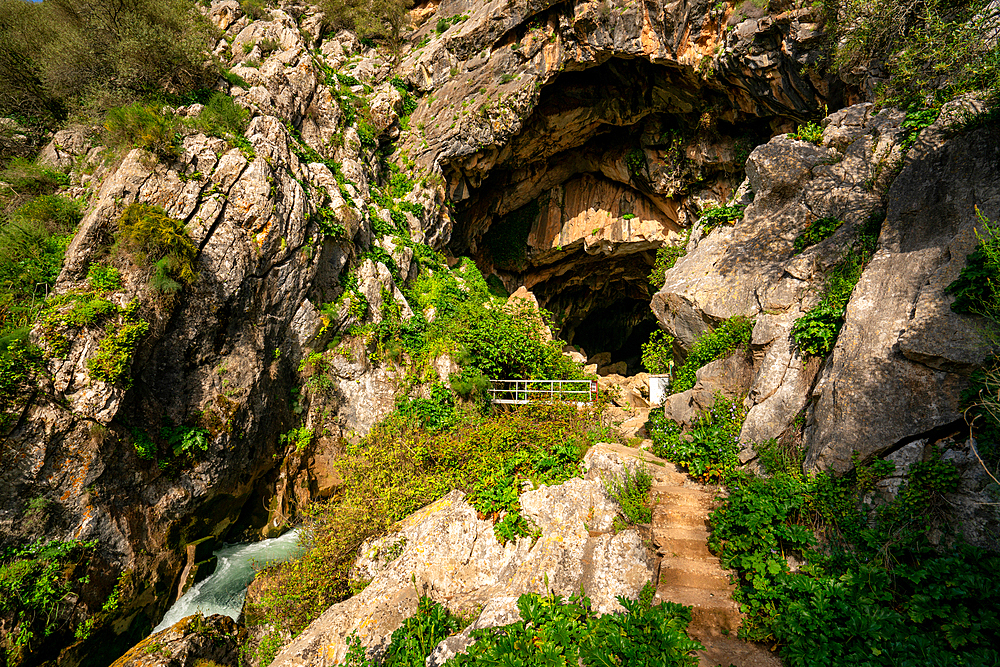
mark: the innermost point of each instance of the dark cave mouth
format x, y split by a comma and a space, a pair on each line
619, 330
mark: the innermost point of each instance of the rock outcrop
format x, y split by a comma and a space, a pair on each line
191, 642
446, 552
903, 357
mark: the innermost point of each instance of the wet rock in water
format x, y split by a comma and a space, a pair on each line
195, 641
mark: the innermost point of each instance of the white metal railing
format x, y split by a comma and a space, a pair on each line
521, 392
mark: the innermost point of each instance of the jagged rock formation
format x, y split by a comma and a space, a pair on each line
570, 119
570, 141
446, 552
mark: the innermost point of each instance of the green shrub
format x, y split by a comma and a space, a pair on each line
666, 256
54, 212
222, 117
185, 442
713, 216
142, 126
635, 160
709, 450
811, 132
553, 631
155, 240
300, 438
818, 230
975, 289
658, 353
816, 331
715, 344
38, 584
930, 49
630, 489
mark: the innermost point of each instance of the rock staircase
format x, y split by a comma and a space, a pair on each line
688, 573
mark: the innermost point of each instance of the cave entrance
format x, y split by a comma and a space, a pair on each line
613, 162
617, 333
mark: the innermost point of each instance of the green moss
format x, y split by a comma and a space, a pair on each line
113, 360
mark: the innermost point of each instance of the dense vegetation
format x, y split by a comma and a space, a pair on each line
552, 632
874, 584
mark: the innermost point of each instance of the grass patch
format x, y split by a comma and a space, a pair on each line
630, 489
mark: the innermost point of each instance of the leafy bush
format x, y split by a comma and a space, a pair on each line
975, 289
630, 489
38, 587
300, 438
413, 641
666, 256
713, 216
155, 240
811, 132
709, 450
58, 58
818, 230
185, 442
929, 48
816, 331
32, 244
553, 631
715, 344
658, 353
142, 126
104, 278
113, 359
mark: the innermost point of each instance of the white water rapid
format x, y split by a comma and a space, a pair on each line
223, 592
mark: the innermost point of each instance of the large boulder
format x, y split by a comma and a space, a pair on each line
445, 551
751, 268
903, 357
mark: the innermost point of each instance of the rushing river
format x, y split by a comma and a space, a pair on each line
223, 592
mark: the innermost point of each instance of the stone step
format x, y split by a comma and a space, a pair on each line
685, 514
712, 614
728, 650
683, 496
680, 531
711, 580
683, 548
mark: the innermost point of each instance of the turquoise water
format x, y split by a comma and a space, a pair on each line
224, 591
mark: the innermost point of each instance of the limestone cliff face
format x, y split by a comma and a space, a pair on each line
222, 353
894, 378
582, 135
